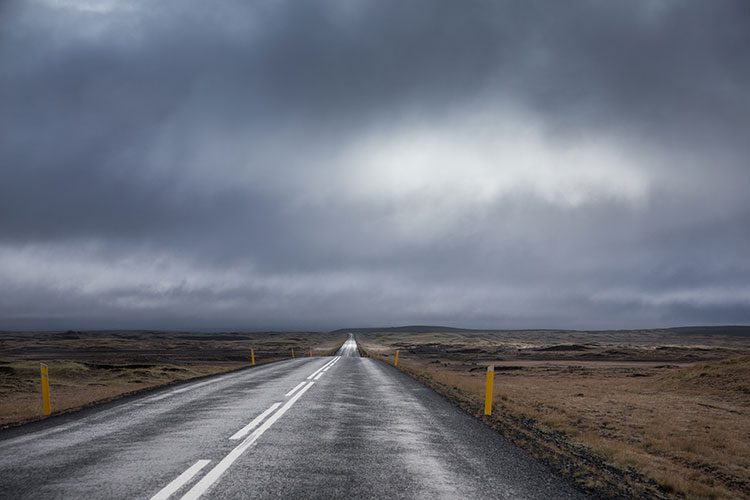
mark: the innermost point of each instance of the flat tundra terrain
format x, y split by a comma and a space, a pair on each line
650, 413
660, 413
311, 427
91, 367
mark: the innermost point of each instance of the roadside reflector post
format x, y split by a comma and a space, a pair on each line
292, 352
377, 354
395, 360
252, 357
488, 392
46, 406
311, 352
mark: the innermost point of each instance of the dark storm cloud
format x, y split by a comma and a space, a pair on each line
282, 164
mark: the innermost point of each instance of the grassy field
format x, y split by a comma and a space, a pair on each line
90, 367
661, 413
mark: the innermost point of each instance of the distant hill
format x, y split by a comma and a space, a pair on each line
410, 329
738, 330
733, 330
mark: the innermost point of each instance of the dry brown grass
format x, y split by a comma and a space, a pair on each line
682, 430
75, 385
90, 367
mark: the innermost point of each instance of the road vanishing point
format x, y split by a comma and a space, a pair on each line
342, 426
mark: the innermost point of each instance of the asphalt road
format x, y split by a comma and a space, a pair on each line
334, 427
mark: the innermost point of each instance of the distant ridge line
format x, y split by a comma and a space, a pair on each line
740, 330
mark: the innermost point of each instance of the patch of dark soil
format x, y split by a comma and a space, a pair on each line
466, 350
616, 352
214, 337
682, 348
564, 348
105, 366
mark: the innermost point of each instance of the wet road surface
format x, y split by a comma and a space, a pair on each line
333, 427
349, 348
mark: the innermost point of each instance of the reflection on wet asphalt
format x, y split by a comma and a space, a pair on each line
331, 427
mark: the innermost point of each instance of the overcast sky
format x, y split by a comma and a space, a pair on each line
313, 165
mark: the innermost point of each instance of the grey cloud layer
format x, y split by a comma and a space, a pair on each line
281, 164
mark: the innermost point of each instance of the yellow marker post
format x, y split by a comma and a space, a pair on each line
292, 352
488, 391
252, 357
395, 360
377, 354
311, 352
46, 406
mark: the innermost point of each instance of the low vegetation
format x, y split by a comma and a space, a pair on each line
660, 414
91, 367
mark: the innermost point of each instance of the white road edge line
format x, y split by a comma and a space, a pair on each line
319, 369
178, 391
255, 423
180, 481
214, 474
295, 389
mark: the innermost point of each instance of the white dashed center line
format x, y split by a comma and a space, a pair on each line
214, 474
322, 367
255, 423
261, 424
294, 390
181, 480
